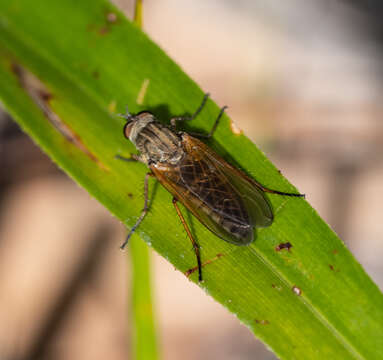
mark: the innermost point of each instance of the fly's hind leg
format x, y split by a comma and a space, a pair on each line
195, 245
271, 191
143, 213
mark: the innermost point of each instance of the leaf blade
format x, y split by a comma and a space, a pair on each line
80, 60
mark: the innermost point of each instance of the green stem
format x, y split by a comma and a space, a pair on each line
144, 343
138, 14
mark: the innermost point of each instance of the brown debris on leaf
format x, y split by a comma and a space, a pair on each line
42, 98
282, 246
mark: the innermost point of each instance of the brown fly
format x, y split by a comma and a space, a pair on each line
221, 197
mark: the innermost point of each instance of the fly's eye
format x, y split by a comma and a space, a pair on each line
128, 128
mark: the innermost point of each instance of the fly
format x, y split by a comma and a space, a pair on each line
228, 202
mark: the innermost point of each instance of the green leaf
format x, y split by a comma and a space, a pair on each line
311, 302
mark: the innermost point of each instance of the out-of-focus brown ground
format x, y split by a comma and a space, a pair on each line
302, 80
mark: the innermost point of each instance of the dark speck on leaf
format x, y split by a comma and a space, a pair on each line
282, 246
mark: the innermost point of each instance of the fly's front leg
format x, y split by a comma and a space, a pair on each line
174, 120
144, 210
195, 245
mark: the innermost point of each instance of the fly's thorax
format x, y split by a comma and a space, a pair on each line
155, 142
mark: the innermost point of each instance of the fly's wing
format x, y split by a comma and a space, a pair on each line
257, 206
220, 196
170, 178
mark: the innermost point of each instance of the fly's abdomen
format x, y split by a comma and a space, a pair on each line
224, 216
214, 191
216, 197
240, 231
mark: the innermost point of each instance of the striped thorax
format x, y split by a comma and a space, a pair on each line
155, 142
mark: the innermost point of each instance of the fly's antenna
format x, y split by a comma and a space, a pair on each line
128, 116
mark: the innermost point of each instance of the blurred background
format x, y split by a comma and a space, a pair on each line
303, 79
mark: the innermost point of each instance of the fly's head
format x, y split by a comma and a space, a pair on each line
136, 123
155, 142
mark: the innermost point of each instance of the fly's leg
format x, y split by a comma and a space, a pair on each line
271, 191
210, 134
143, 213
174, 120
195, 245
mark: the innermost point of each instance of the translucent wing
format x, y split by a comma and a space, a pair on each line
233, 232
220, 196
256, 204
